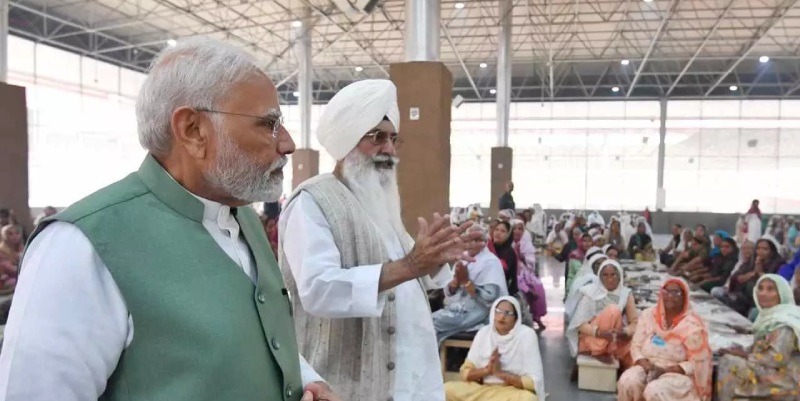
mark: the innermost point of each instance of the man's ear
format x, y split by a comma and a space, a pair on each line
188, 132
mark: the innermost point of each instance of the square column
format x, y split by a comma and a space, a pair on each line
14, 153
424, 171
502, 159
305, 164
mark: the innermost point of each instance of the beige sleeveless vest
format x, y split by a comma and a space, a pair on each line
354, 355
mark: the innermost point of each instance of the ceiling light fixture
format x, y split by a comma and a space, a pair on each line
483, 65
359, 69
615, 89
763, 59
172, 42
625, 62
459, 6
493, 91
648, 1
733, 88
297, 23
296, 94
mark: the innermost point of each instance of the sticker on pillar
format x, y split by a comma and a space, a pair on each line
413, 113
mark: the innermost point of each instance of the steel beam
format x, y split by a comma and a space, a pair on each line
664, 21
777, 16
503, 100
3, 41
662, 150
422, 40
461, 61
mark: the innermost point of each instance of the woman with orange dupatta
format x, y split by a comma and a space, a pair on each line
671, 352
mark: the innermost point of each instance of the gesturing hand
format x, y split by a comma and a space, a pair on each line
439, 243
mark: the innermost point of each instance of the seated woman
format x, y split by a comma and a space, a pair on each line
611, 252
671, 351
720, 267
8, 275
693, 258
614, 235
473, 289
605, 318
586, 276
527, 280
746, 254
504, 363
770, 369
557, 239
577, 257
640, 247
11, 243
502, 245
743, 282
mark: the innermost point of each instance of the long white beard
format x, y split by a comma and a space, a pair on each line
375, 189
243, 178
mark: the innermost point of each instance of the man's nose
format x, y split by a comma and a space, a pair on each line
285, 142
389, 148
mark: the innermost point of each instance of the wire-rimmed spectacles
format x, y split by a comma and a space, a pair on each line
379, 138
272, 120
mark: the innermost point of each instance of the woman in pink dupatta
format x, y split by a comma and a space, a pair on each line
670, 350
529, 285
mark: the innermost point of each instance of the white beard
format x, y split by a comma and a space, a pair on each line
376, 190
241, 177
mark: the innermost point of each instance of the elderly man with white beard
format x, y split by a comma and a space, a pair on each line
357, 278
162, 286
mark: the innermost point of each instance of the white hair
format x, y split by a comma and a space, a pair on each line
375, 189
198, 72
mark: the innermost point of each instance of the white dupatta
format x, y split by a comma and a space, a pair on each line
593, 293
519, 349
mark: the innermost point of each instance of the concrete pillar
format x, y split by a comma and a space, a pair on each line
502, 155
3, 41
502, 163
504, 72
424, 171
305, 161
305, 164
14, 153
422, 37
661, 194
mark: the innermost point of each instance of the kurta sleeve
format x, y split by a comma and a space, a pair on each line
642, 334
775, 349
632, 314
465, 369
528, 384
487, 293
68, 324
326, 289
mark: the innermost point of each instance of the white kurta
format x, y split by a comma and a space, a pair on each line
327, 290
69, 324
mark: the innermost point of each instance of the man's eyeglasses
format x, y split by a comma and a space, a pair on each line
509, 313
273, 120
379, 138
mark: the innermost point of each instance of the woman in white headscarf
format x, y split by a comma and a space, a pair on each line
504, 363
471, 292
605, 318
586, 276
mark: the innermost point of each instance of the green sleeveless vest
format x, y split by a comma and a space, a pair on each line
202, 329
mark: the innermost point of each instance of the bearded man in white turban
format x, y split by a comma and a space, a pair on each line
357, 280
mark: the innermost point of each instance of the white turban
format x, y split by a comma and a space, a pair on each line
355, 110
